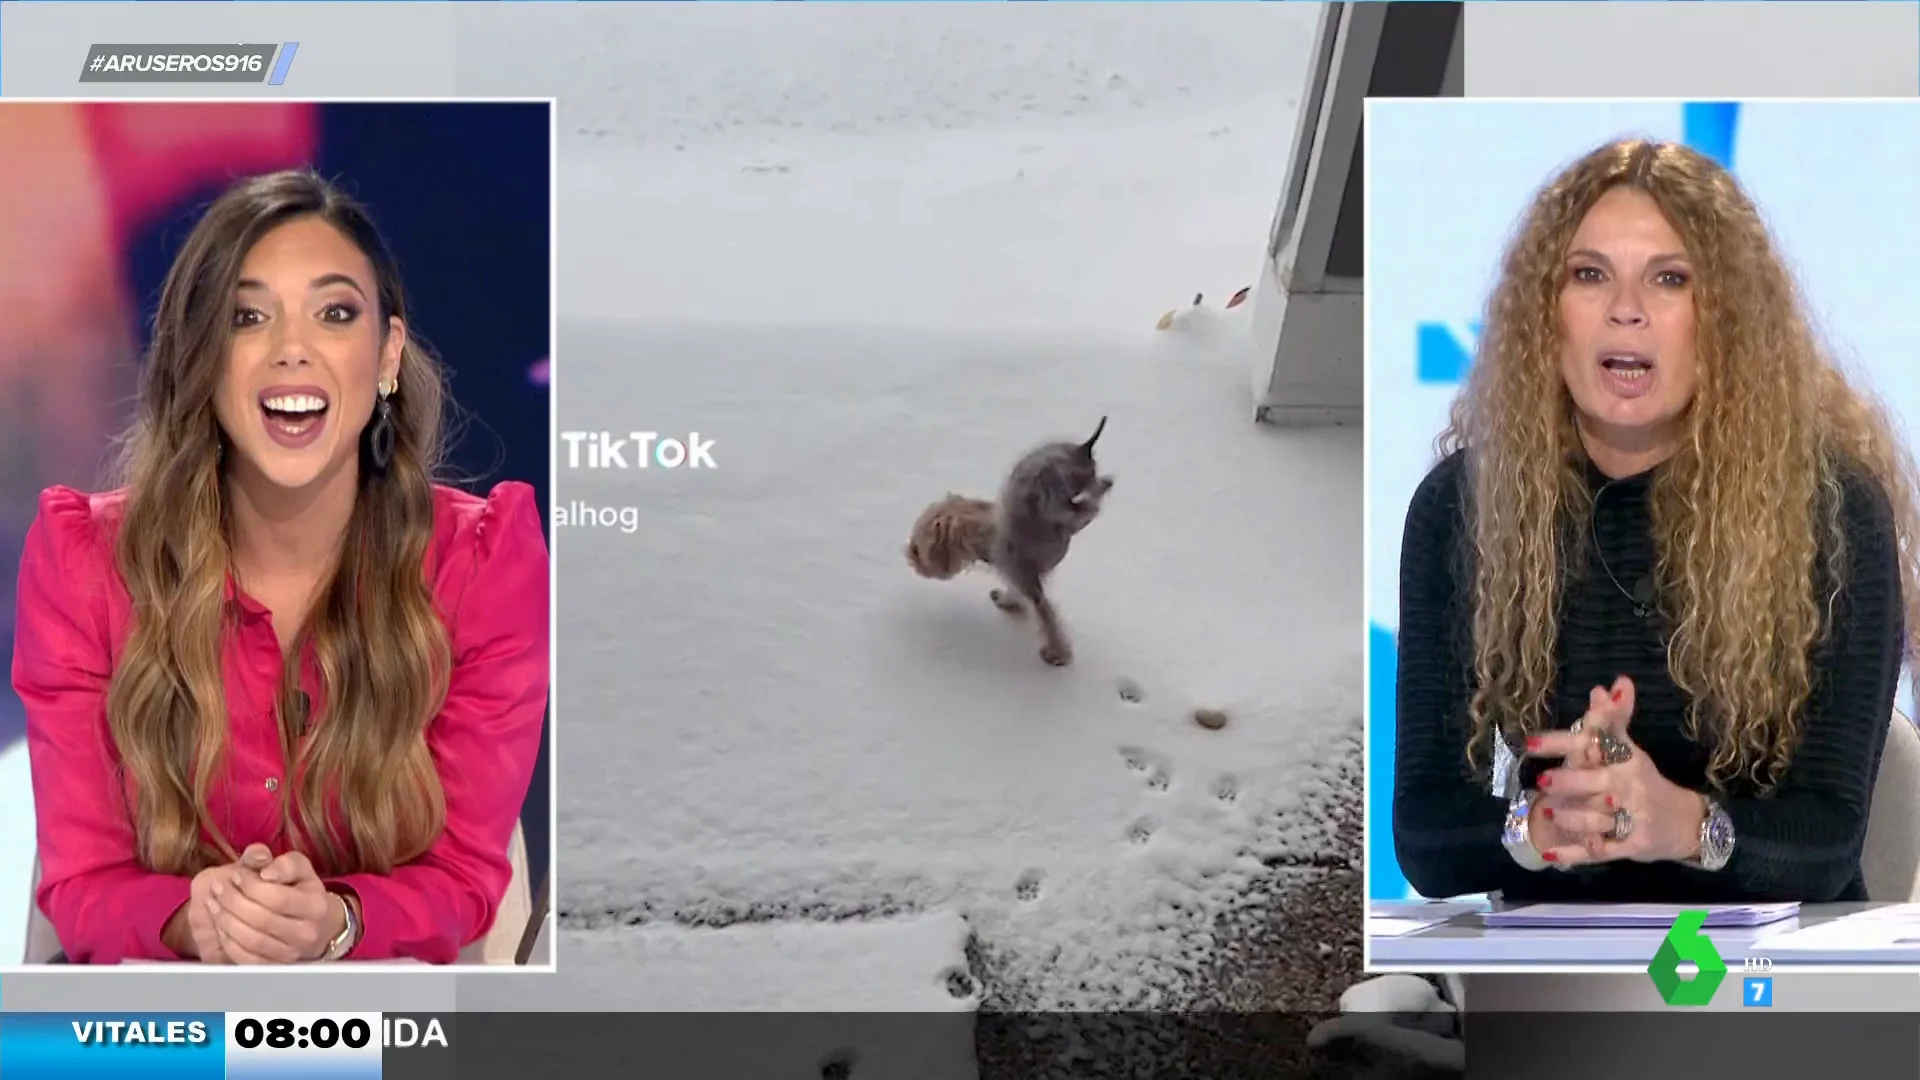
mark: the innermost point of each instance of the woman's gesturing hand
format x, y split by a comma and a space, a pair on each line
1607, 801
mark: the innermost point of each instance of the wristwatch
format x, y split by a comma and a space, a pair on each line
1716, 839
1516, 838
342, 943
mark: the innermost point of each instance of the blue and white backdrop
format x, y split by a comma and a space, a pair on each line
1447, 182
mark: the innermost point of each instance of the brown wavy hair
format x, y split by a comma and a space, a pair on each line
382, 649
1744, 510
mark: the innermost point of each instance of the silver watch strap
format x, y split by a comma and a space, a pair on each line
349, 931
1517, 838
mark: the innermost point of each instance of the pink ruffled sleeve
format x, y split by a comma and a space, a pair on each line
103, 905
484, 741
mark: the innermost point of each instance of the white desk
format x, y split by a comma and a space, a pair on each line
1461, 941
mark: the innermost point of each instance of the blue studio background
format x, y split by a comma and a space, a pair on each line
462, 192
1447, 183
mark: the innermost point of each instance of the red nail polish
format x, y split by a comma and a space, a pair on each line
1547, 810
1546, 781
1533, 743
1550, 856
1616, 697
1609, 802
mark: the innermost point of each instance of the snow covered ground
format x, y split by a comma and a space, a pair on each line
875, 253
885, 960
1007, 164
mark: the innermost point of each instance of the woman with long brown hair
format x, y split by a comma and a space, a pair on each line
1654, 597
284, 692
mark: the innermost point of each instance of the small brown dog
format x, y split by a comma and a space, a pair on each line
1051, 494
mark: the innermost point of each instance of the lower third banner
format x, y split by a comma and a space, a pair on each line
107, 1046
191, 1046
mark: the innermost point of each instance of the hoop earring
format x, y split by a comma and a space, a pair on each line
380, 432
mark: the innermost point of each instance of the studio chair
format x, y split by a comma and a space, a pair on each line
1890, 858
501, 943
536, 945
42, 943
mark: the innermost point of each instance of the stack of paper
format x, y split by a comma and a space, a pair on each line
1391, 926
1894, 928
1398, 918
1636, 916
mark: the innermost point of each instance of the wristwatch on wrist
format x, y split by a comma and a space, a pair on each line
1716, 839
1515, 836
342, 943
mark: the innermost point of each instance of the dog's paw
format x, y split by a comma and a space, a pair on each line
1058, 654
1006, 601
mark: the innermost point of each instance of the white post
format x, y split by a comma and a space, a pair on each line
1307, 326
1307, 323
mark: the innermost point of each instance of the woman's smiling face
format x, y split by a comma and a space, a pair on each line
307, 355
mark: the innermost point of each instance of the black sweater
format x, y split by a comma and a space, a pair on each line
1802, 842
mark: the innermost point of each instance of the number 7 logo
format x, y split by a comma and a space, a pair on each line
1759, 993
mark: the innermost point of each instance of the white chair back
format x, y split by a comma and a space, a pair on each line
42, 943
498, 946
542, 951
501, 943
1890, 858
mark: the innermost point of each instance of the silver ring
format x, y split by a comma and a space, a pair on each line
1577, 725
1622, 825
1612, 751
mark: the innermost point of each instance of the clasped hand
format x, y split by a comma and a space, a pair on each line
262, 910
1574, 819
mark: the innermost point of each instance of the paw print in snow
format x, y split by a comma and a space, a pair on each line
1027, 886
959, 983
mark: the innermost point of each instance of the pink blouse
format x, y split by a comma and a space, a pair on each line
488, 571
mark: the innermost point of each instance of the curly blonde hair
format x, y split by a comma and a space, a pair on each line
1741, 511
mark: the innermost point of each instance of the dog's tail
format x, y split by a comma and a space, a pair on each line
1086, 448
